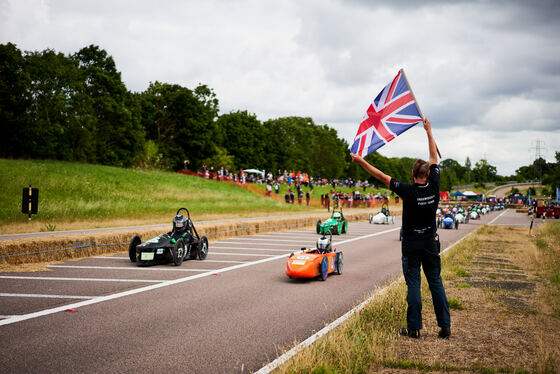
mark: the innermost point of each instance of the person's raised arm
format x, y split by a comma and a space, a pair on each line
431, 142
372, 170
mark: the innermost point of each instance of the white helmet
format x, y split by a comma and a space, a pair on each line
323, 243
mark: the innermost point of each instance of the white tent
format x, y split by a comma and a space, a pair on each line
470, 193
254, 171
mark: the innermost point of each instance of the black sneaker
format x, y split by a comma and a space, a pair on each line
415, 334
445, 332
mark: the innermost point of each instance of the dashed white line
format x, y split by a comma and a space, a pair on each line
242, 254
124, 268
45, 296
267, 240
83, 279
252, 249
277, 244
126, 258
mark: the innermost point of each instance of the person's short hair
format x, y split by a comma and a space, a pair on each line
420, 169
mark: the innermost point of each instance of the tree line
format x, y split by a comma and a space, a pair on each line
76, 107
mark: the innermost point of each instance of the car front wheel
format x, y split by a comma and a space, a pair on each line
132, 247
339, 263
324, 269
203, 248
178, 252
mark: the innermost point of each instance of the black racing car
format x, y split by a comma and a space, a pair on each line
182, 243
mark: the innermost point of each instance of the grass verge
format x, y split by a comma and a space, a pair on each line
505, 321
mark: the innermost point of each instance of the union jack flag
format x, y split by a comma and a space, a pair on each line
392, 112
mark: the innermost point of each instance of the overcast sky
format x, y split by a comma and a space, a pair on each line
486, 73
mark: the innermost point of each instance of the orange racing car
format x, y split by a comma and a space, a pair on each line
315, 262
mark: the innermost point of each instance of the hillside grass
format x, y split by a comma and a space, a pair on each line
71, 192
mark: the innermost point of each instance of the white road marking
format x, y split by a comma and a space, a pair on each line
253, 249
83, 279
169, 268
495, 218
242, 254
206, 260
99, 299
303, 237
45, 296
4, 317
276, 244
266, 240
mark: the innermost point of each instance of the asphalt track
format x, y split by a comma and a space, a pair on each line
233, 312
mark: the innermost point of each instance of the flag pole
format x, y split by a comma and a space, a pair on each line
416, 103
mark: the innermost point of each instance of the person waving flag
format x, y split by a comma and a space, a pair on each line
391, 113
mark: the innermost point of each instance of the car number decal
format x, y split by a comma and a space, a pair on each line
147, 256
298, 262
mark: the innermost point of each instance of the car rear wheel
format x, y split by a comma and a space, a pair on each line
203, 248
339, 263
178, 252
132, 247
370, 218
345, 227
324, 269
318, 226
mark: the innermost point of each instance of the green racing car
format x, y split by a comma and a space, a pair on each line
335, 225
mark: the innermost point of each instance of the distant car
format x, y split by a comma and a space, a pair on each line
335, 225
183, 242
448, 221
384, 217
315, 262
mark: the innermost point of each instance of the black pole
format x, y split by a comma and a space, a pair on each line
29, 206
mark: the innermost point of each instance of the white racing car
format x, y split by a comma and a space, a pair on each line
384, 217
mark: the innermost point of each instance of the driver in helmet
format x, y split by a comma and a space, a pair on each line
179, 224
324, 244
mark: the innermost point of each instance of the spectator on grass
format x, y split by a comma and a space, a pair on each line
420, 243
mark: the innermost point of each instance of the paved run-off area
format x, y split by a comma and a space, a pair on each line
232, 312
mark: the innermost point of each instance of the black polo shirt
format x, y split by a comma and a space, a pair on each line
420, 202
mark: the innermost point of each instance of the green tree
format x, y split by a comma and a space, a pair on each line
60, 118
484, 172
242, 135
14, 103
117, 132
180, 121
